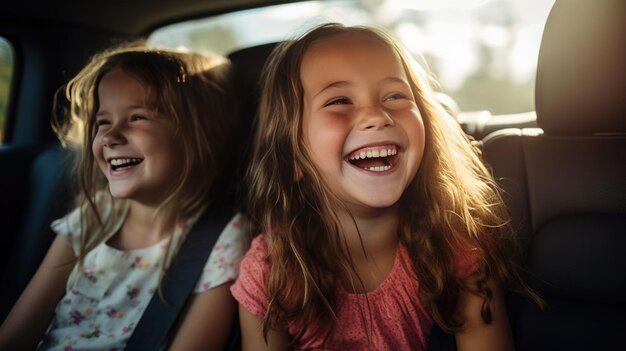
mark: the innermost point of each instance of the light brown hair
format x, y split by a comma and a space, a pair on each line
191, 89
453, 204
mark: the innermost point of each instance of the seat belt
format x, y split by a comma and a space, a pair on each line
153, 330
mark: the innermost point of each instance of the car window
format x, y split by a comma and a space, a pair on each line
6, 71
482, 52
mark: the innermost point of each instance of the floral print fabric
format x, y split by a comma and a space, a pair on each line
102, 308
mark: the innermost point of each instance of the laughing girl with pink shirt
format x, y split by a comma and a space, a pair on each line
378, 218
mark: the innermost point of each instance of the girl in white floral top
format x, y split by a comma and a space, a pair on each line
153, 131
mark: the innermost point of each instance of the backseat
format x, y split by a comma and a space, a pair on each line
566, 182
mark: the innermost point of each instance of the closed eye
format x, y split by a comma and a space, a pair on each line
338, 101
102, 122
137, 118
395, 96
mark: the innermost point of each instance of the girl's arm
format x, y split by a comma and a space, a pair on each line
207, 321
30, 317
476, 335
252, 334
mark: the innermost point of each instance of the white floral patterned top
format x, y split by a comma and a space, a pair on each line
100, 311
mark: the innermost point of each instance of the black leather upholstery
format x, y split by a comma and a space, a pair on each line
566, 182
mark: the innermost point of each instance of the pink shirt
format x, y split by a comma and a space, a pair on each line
392, 315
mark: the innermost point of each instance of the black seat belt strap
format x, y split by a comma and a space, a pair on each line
154, 327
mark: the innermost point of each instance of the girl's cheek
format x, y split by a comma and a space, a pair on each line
96, 147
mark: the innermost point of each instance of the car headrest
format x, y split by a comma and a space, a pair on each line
581, 73
248, 65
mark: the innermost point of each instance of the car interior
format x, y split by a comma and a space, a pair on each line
563, 170
565, 181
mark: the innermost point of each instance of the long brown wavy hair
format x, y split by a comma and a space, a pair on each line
452, 204
191, 89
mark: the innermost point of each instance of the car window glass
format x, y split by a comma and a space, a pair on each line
6, 71
482, 52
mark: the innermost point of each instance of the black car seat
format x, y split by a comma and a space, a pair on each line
47, 197
248, 65
566, 182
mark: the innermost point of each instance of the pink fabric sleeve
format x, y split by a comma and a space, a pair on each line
250, 288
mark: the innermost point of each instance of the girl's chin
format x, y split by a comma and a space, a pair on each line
374, 206
121, 197
120, 193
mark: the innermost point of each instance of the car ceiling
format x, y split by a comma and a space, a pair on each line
126, 17
54, 38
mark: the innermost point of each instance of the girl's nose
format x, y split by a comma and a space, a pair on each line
113, 136
374, 118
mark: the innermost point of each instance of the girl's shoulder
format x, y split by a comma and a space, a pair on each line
82, 220
258, 246
233, 231
255, 263
250, 288
256, 258
223, 263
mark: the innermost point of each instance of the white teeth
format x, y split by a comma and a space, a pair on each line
123, 161
378, 168
373, 154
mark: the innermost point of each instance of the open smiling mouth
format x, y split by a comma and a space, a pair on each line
374, 158
118, 164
